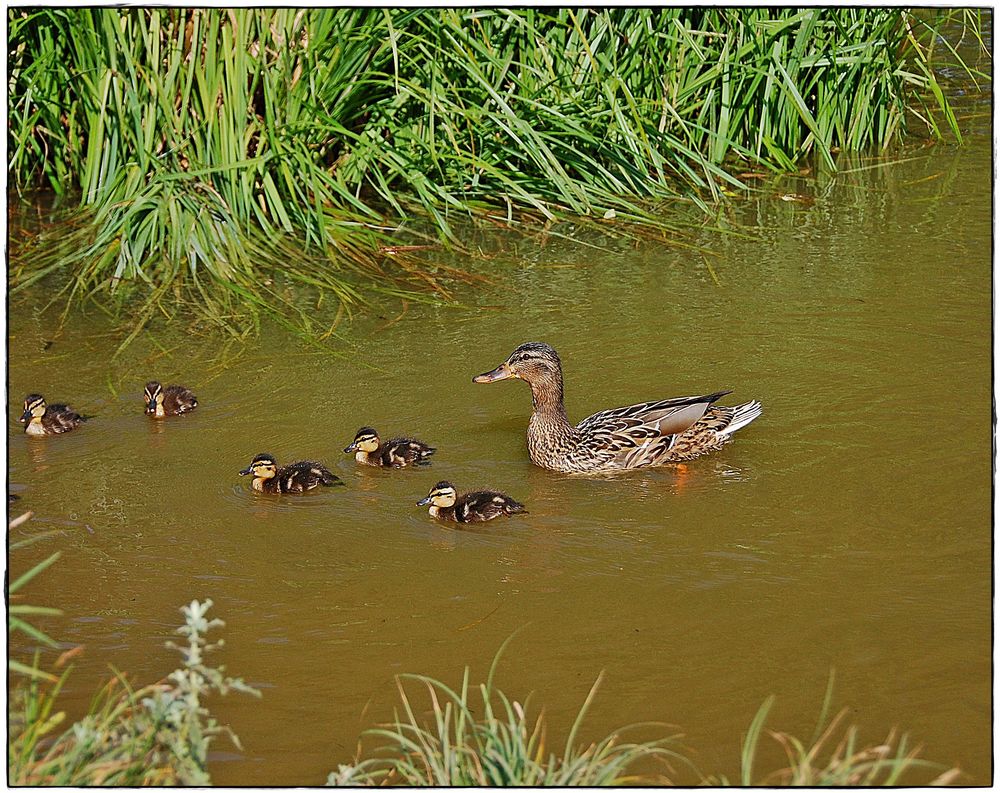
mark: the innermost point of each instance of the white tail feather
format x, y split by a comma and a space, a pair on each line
743, 415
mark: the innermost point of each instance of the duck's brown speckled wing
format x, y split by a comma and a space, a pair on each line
641, 435
714, 430
485, 505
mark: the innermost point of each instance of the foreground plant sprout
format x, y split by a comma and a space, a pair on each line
158, 734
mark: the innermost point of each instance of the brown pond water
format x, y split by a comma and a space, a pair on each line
849, 528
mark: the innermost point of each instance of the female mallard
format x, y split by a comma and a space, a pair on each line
292, 478
477, 507
637, 436
393, 453
170, 401
42, 419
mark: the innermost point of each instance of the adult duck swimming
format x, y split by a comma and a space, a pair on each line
636, 436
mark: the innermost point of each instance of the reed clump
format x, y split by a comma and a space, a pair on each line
235, 160
479, 736
835, 756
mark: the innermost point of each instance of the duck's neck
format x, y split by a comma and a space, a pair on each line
35, 426
547, 399
258, 484
549, 432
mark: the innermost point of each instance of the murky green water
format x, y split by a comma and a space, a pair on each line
849, 528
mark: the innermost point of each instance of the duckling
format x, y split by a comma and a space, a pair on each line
476, 507
292, 478
170, 401
45, 419
393, 453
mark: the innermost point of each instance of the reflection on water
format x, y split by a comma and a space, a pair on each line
848, 528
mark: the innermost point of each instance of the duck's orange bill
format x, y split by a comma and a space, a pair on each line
502, 372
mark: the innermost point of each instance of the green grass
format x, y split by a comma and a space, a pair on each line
835, 756
478, 736
157, 734
243, 162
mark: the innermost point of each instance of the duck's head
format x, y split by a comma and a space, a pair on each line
153, 396
534, 362
443, 494
365, 440
34, 408
262, 466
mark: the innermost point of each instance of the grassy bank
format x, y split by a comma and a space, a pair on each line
248, 160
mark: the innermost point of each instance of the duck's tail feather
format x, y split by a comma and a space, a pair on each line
743, 415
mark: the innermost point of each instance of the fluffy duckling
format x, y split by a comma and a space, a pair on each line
170, 401
42, 419
477, 507
393, 453
292, 478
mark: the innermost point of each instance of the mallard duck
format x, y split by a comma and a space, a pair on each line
292, 478
476, 507
637, 436
170, 401
45, 419
393, 453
